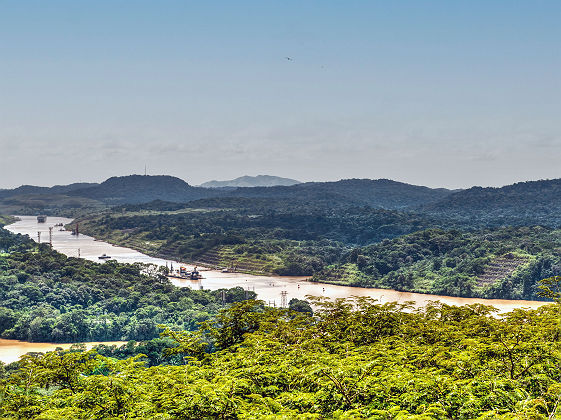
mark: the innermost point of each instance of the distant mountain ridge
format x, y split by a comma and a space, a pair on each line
532, 202
381, 193
252, 181
138, 189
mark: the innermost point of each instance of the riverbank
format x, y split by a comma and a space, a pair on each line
274, 290
217, 258
6, 220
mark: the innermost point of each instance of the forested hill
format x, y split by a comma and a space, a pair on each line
32, 189
523, 203
381, 193
142, 189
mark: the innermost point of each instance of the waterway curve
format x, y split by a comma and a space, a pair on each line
274, 290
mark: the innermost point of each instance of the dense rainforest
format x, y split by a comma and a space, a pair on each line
348, 360
491, 263
258, 235
341, 243
520, 204
48, 297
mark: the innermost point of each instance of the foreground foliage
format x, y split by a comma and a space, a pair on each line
350, 360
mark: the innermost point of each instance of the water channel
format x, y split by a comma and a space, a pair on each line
268, 288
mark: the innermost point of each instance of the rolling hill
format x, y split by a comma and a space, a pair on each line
138, 189
135, 189
523, 203
32, 189
379, 193
251, 181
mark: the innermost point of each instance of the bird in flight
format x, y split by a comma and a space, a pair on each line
288, 58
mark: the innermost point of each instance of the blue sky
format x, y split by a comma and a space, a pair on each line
440, 93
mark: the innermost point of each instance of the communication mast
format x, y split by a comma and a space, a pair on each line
283, 298
51, 237
39, 237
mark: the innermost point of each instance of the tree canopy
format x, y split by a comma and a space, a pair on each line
351, 359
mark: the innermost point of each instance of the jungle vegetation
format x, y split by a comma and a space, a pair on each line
350, 359
48, 297
338, 243
256, 235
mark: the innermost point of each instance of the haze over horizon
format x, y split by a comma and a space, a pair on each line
439, 94
310, 180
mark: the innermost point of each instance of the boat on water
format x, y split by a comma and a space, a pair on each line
41, 218
104, 257
184, 274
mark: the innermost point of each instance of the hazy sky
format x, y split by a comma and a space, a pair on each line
439, 93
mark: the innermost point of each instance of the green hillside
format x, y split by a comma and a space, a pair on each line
494, 263
523, 203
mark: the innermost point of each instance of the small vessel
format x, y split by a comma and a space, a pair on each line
104, 257
41, 218
195, 275
182, 273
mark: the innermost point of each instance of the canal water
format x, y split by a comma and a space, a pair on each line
268, 288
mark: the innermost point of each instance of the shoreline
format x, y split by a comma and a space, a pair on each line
274, 290
207, 267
